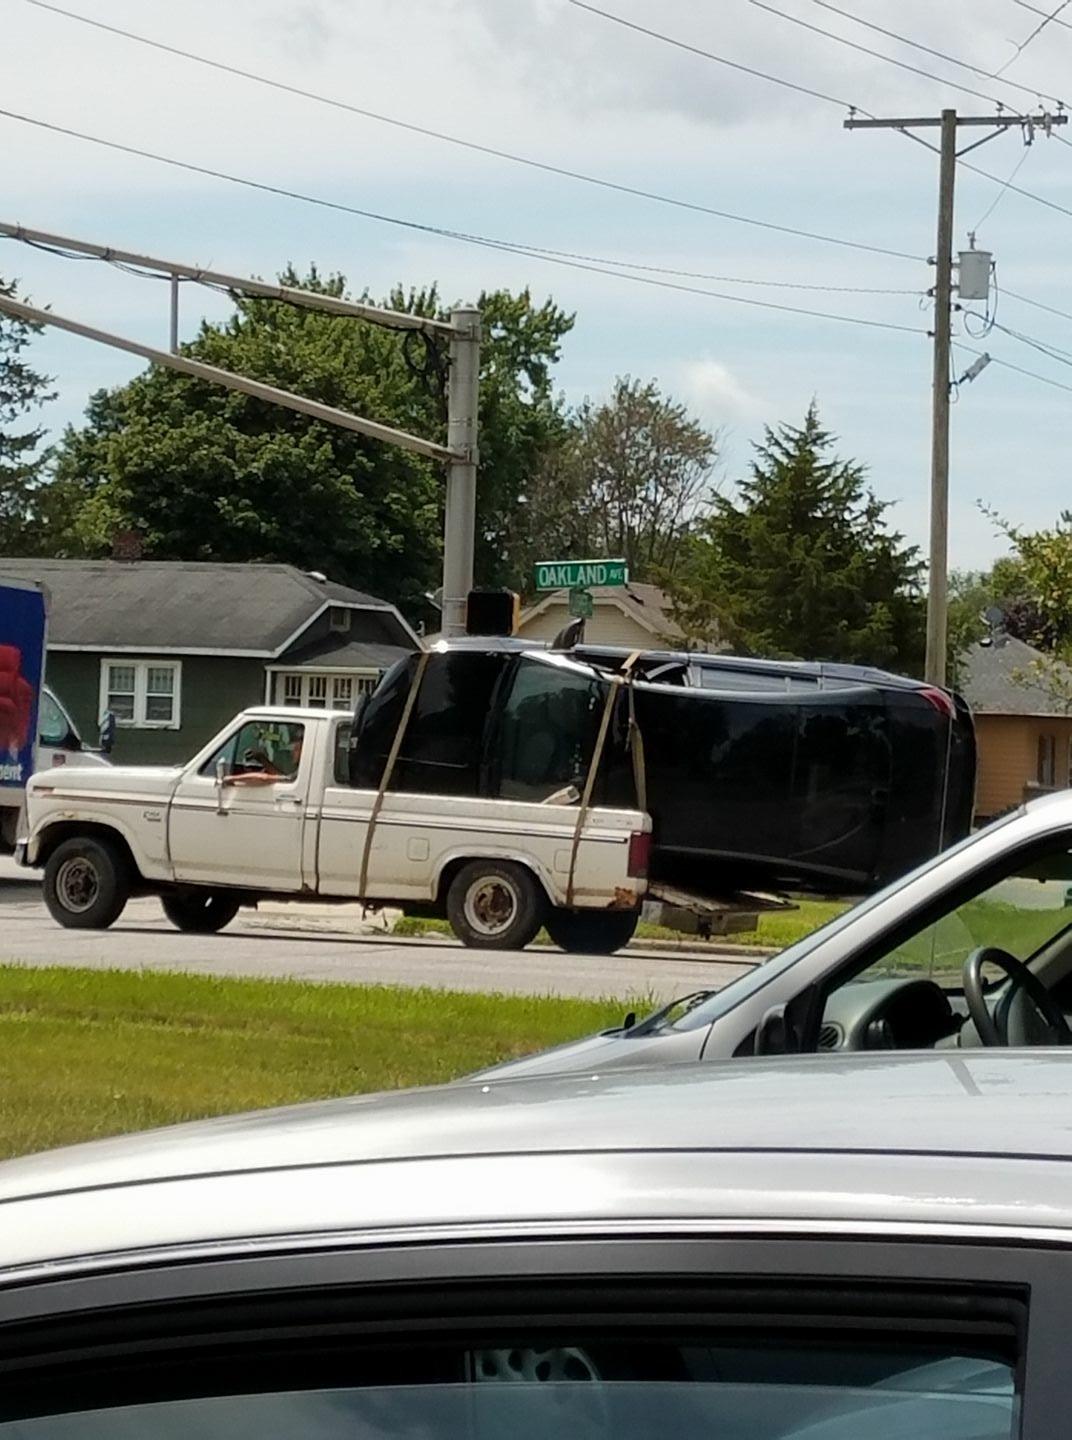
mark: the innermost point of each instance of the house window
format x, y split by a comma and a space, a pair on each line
1047, 761
142, 694
320, 690
339, 619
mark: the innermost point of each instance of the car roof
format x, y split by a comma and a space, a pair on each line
936, 1140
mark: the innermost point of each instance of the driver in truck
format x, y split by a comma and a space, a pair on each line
269, 771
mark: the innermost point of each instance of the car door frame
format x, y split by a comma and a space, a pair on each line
929, 1259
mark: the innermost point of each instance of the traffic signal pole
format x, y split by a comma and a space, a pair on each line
460, 455
459, 519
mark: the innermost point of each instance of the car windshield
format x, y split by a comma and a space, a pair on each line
738, 990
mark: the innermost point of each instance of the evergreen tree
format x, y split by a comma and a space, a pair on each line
800, 563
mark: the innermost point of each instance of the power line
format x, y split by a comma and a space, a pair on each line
546, 167
1046, 20
1051, 19
515, 247
483, 241
938, 54
874, 54
1037, 304
964, 164
1003, 191
710, 55
1052, 352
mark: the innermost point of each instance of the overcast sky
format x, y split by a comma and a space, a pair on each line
546, 80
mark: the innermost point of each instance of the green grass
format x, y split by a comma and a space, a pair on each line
85, 1053
776, 929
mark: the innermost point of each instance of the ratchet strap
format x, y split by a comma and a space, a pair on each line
389, 766
624, 677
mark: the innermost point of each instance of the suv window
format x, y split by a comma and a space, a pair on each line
547, 730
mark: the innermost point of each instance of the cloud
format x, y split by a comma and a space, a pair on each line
712, 388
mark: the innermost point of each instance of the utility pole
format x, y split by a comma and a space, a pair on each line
935, 665
948, 123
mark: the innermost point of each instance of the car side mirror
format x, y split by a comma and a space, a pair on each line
772, 1033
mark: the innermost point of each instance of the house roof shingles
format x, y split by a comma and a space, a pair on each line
183, 605
990, 684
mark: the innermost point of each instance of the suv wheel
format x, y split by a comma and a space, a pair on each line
592, 932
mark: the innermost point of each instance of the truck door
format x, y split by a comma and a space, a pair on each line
238, 817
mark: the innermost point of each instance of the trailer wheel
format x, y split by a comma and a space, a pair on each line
87, 883
200, 912
592, 932
495, 905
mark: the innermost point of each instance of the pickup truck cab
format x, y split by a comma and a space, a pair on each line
267, 810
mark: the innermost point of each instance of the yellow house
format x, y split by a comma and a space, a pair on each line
1023, 731
634, 615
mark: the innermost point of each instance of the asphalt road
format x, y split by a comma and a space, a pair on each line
330, 944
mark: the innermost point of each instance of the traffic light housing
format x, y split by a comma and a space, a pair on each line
492, 612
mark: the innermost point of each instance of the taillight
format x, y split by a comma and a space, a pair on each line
639, 854
941, 700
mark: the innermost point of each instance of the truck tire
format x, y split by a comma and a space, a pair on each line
592, 932
200, 912
495, 905
87, 883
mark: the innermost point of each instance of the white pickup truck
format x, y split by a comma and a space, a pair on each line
266, 810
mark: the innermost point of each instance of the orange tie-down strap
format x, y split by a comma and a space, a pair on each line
624, 677
388, 769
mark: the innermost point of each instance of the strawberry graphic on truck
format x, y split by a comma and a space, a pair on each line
17, 697
23, 618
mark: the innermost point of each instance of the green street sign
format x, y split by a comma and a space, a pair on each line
580, 574
580, 604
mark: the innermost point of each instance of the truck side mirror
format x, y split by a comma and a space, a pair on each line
222, 769
107, 732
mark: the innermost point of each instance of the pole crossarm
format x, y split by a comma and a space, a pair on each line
260, 391
291, 295
1040, 122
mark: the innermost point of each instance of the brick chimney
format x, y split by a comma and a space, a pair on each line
126, 545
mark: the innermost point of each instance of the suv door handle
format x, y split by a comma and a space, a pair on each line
294, 800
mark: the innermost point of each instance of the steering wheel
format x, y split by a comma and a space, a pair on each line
989, 1032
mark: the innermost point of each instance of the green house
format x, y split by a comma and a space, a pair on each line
174, 648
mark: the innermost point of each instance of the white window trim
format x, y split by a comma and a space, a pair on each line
141, 669
277, 680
